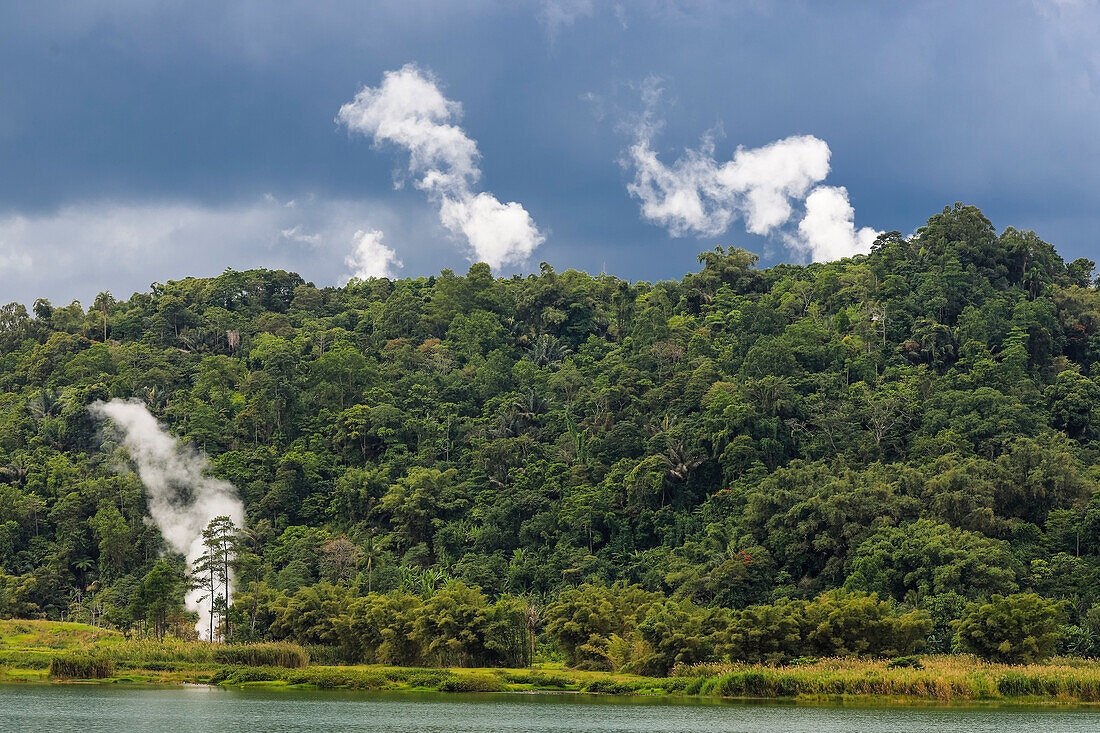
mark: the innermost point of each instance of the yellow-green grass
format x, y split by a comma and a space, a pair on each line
947, 677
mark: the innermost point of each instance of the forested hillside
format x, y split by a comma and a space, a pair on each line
921, 423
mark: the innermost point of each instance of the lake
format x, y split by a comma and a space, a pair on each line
115, 709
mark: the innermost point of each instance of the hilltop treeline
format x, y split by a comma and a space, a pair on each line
920, 423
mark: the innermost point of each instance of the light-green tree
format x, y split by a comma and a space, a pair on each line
159, 598
1018, 629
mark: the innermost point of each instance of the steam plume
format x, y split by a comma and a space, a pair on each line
409, 110
182, 497
697, 194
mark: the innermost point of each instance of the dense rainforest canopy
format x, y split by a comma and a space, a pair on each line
921, 423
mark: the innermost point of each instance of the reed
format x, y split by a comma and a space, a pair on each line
81, 667
278, 654
154, 650
936, 678
130, 652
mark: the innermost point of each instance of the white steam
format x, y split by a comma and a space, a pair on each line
409, 110
371, 258
182, 497
697, 194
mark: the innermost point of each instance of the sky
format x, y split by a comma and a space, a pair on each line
146, 141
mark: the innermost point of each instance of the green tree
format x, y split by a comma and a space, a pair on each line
1023, 628
213, 569
159, 598
416, 502
113, 534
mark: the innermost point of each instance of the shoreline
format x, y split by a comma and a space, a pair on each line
563, 683
43, 652
639, 698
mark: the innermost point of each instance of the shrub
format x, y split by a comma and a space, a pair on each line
324, 678
913, 662
802, 661
582, 620
81, 666
675, 684
351, 679
679, 634
471, 683
240, 675
1078, 641
427, 679
842, 623
538, 679
835, 624
695, 685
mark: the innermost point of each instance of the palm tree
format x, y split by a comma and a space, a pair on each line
198, 340
532, 614
547, 351
678, 462
16, 471
84, 564
370, 552
46, 402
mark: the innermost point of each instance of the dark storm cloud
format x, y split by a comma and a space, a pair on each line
159, 128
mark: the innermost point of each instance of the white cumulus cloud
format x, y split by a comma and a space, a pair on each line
371, 258
408, 110
699, 195
827, 232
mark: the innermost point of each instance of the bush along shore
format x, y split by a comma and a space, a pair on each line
38, 651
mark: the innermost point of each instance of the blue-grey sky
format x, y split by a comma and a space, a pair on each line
145, 141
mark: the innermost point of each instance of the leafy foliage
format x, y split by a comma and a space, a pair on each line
639, 474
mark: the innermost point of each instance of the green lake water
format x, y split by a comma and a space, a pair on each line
114, 709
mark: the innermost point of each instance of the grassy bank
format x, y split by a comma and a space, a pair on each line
50, 651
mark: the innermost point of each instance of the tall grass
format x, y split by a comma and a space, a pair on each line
153, 650
940, 678
162, 652
278, 654
81, 667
